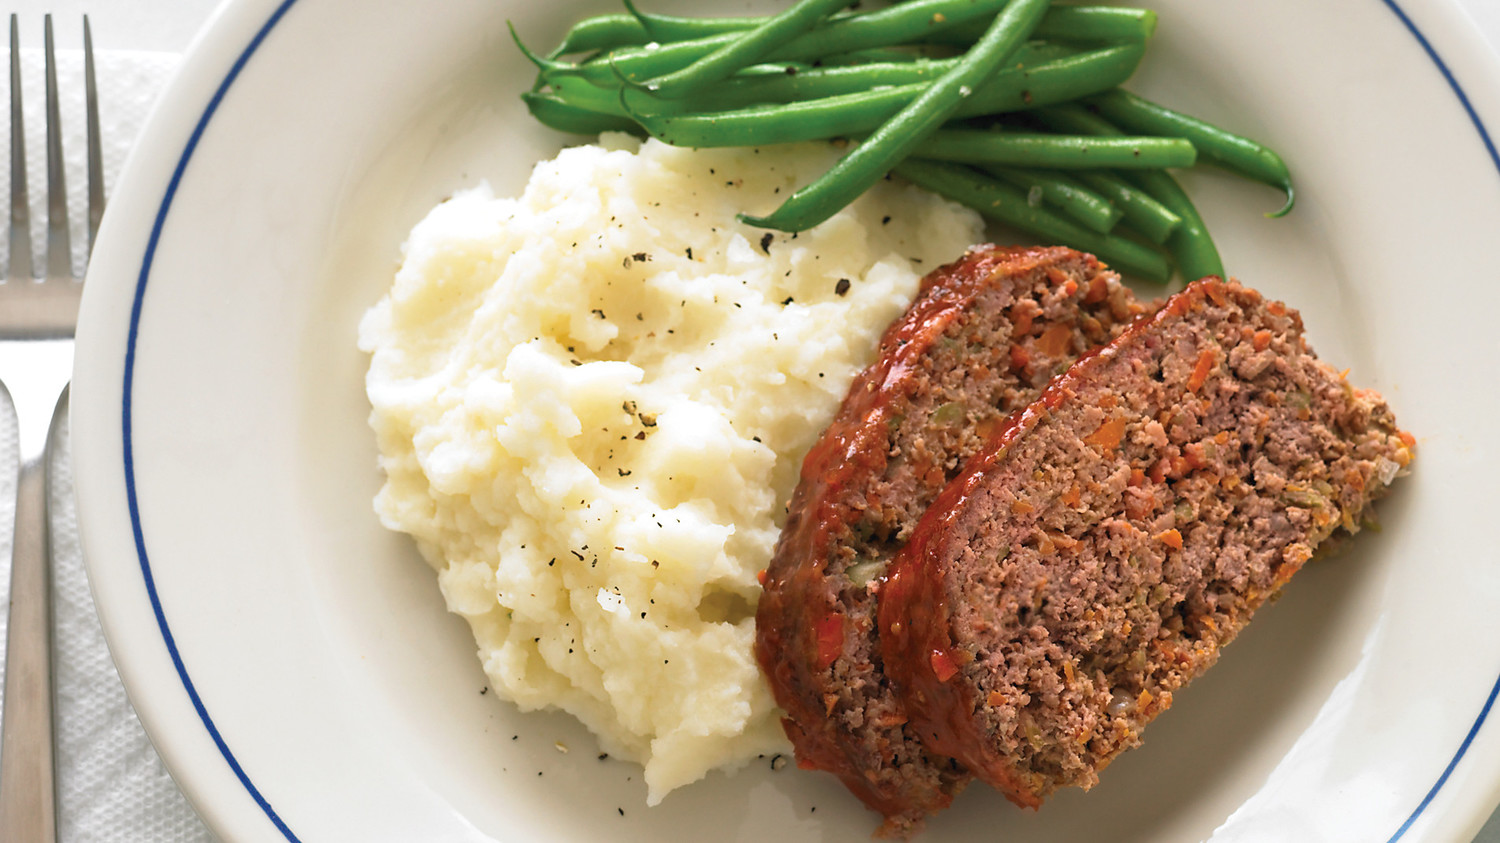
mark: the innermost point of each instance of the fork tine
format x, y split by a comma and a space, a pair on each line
96, 147
20, 205
59, 250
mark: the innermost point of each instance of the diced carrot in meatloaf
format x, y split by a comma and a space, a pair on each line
984, 337
1035, 631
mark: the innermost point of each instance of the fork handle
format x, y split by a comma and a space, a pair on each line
27, 796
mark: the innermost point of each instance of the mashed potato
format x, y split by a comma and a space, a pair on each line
592, 402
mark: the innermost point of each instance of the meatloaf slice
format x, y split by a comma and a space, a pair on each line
1119, 531
984, 336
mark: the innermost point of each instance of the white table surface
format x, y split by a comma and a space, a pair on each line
169, 26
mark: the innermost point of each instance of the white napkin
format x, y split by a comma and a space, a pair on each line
111, 784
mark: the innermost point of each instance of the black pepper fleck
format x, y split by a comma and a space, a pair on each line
842, 287
765, 242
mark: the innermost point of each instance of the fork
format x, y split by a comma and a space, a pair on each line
34, 311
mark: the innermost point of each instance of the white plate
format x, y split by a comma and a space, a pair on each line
295, 666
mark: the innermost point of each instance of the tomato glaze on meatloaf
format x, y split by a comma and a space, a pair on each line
1119, 531
984, 336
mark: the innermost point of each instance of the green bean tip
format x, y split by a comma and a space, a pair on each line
761, 222
1291, 199
543, 64
1149, 21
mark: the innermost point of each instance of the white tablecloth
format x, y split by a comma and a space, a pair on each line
112, 785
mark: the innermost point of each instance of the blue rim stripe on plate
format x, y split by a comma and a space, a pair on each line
129, 451
1458, 91
129, 379
1489, 145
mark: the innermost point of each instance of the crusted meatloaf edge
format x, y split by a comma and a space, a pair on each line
1119, 531
984, 336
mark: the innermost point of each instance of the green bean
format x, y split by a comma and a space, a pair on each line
874, 55
549, 65
635, 28
743, 92
956, 22
772, 84
903, 23
1191, 245
1192, 248
775, 84
1233, 152
601, 33
752, 46
1074, 119
1006, 204
1032, 52
1108, 24
565, 117
776, 69
759, 84
900, 24
854, 114
668, 28
1151, 218
1086, 207
912, 20
1103, 24
584, 94
643, 62
869, 162
1059, 152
